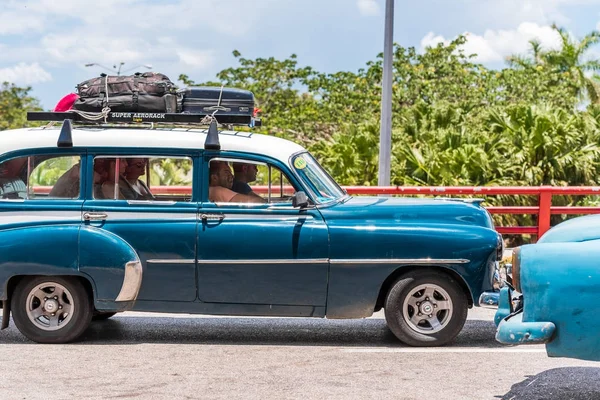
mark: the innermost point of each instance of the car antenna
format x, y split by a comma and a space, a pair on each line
212, 138
65, 138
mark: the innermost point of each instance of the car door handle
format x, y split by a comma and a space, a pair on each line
212, 217
95, 216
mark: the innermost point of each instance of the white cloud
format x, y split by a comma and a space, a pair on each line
24, 74
368, 8
81, 48
129, 31
195, 58
494, 46
232, 17
15, 23
513, 12
164, 53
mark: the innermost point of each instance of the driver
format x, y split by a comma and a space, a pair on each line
220, 183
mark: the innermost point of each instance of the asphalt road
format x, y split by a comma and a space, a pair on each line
158, 356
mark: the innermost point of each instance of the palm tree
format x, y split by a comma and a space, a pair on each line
569, 59
519, 61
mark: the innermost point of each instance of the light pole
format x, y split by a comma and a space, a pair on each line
118, 69
385, 135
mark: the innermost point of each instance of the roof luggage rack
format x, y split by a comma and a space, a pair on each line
65, 136
144, 117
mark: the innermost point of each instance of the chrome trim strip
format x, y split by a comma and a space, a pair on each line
152, 202
262, 216
420, 261
171, 261
40, 216
190, 216
132, 281
271, 261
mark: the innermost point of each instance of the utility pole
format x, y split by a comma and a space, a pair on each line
385, 135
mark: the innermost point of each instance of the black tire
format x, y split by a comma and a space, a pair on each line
26, 303
102, 316
447, 309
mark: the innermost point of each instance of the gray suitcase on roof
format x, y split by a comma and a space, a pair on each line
231, 105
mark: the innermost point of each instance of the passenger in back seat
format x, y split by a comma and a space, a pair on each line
106, 190
67, 186
11, 185
136, 189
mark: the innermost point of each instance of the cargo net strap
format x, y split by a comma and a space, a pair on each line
210, 117
93, 116
96, 116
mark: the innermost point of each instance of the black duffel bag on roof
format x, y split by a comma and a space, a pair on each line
148, 92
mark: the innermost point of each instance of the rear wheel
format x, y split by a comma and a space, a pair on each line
51, 309
426, 309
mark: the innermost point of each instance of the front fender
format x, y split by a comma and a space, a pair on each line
47, 250
111, 263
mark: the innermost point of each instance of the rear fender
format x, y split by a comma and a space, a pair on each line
108, 262
112, 264
47, 250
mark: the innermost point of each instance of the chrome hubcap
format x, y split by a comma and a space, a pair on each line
50, 306
427, 309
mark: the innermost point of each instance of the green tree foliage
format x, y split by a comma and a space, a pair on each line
14, 104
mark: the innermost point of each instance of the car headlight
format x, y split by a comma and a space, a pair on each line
516, 269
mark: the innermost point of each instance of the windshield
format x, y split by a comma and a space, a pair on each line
319, 181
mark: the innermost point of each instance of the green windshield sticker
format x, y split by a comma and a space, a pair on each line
299, 163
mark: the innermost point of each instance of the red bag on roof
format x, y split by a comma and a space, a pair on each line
66, 103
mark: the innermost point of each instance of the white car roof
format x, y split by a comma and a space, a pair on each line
184, 138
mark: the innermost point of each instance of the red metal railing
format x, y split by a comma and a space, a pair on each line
543, 210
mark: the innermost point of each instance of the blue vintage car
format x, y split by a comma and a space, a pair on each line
553, 300
98, 219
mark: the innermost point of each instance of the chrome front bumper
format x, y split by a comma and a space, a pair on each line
512, 330
489, 299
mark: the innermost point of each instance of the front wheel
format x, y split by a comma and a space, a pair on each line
51, 309
426, 309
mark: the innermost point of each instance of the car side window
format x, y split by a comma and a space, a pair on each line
13, 179
60, 174
247, 181
40, 177
147, 178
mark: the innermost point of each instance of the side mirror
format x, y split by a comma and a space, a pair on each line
300, 200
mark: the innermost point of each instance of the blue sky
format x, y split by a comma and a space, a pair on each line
46, 43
